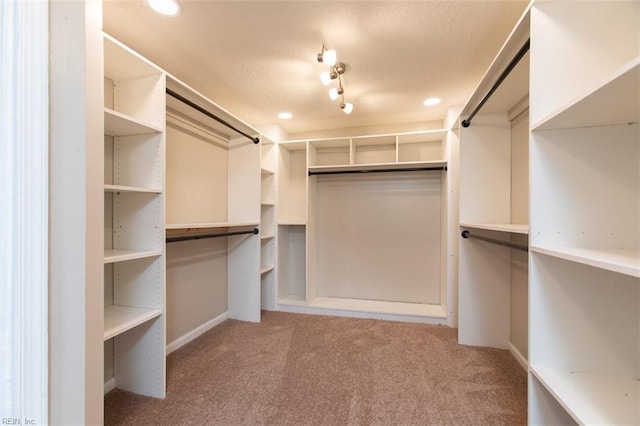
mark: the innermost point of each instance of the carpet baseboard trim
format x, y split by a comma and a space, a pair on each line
109, 385
362, 314
196, 332
519, 357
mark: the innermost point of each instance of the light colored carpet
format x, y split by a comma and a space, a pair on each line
294, 369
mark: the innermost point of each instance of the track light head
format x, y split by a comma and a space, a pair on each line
346, 107
335, 93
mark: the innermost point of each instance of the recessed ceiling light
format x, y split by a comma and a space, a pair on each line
165, 7
431, 101
285, 115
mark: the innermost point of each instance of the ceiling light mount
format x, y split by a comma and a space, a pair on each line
336, 69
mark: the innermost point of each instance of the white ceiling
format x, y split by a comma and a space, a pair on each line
258, 58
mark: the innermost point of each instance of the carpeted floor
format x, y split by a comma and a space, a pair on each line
294, 369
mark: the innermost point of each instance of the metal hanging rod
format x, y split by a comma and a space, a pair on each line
344, 172
468, 234
209, 114
523, 50
253, 231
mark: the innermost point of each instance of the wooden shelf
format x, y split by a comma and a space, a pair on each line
118, 124
265, 269
499, 227
625, 262
125, 188
208, 225
378, 166
615, 101
266, 172
593, 398
293, 223
121, 255
118, 319
267, 236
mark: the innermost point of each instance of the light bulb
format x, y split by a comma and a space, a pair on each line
347, 107
165, 7
335, 93
329, 57
325, 78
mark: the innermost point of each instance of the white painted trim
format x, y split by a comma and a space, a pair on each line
196, 332
361, 314
109, 385
24, 132
519, 357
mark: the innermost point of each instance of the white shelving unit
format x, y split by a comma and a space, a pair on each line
134, 312
302, 286
268, 253
585, 232
494, 204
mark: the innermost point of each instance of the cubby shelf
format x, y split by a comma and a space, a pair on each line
625, 262
593, 398
121, 255
614, 101
119, 124
267, 236
499, 227
118, 319
265, 269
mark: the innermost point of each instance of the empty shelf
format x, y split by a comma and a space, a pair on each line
121, 255
118, 319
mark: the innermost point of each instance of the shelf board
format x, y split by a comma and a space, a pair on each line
292, 223
378, 166
118, 124
122, 255
265, 269
118, 319
615, 101
592, 398
201, 226
266, 172
379, 306
499, 227
125, 188
267, 236
267, 203
623, 261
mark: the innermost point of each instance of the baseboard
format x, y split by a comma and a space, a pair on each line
193, 334
109, 385
519, 357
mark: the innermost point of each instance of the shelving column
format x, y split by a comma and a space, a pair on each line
134, 153
268, 243
585, 204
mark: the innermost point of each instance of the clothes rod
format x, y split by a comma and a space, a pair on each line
209, 114
254, 231
344, 172
523, 50
468, 234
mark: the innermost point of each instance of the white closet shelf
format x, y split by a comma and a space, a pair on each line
593, 398
614, 101
292, 223
290, 300
623, 261
125, 188
118, 124
266, 172
121, 255
267, 236
118, 319
379, 306
208, 225
268, 203
378, 166
499, 227
264, 269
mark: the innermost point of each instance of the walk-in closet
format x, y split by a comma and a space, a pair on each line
214, 217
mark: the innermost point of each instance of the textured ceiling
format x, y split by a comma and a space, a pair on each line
257, 58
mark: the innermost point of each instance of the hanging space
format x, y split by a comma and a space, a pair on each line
494, 203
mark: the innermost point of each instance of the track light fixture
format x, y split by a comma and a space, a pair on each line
336, 69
